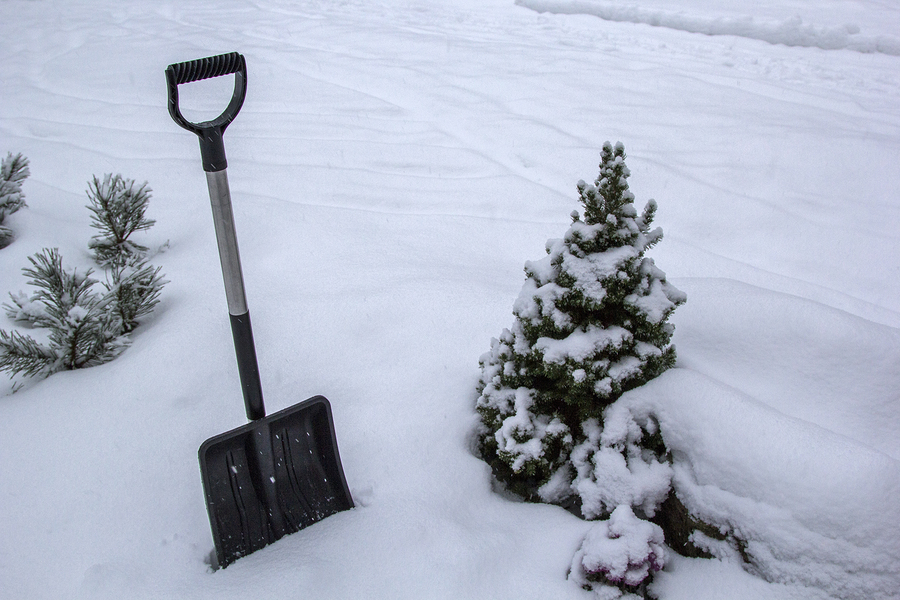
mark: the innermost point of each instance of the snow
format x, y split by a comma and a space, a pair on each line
394, 166
792, 31
611, 470
816, 507
622, 549
523, 424
580, 344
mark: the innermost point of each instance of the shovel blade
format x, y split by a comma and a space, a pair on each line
272, 477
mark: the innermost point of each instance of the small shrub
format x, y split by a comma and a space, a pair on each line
618, 556
86, 327
13, 171
118, 208
82, 330
590, 324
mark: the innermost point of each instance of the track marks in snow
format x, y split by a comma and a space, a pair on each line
814, 357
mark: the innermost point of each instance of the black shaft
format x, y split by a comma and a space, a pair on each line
248, 368
212, 149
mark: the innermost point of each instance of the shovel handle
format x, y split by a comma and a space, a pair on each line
212, 146
212, 151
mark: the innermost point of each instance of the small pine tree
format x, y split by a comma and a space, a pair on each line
86, 328
590, 324
13, 171
82, 329
133, 291
118, 206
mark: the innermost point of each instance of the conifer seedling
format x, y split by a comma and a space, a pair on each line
590, 324
118, 208
82, 332
13, 171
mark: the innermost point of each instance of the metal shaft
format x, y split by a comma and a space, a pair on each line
226, 239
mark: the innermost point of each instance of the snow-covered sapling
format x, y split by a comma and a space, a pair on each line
134, 290
118, 206
13, 171
618, 556
591, 323
86, 328
83, 332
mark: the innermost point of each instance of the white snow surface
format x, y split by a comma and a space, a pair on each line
716, 19
394, 166
622, 549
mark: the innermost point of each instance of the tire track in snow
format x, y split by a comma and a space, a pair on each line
420, 94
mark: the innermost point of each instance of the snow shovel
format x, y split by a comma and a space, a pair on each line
279, 473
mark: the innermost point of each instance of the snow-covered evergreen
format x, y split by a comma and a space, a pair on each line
13, 171
85, 327
591, 323
82, 331
118, 208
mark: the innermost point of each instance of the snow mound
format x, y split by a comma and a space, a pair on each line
815, 508
620, 551
790, 32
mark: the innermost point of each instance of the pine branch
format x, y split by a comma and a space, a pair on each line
22, 354
6, 236
60, 291
25, 309
118, 206
134, 291
91, 337
13, 171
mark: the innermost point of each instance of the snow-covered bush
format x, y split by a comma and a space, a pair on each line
118, 206
13, 171
134, 290
591, 323
618, 464
86, 327
618, 556
82, 330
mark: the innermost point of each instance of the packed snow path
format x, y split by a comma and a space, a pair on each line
394, 166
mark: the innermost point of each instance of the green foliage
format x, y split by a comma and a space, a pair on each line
86, 327
13, 171
134, 291
118, 208
82, 331
590, 324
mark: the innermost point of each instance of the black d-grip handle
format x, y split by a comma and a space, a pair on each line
212, 147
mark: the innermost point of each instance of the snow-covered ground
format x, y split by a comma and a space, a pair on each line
393, 167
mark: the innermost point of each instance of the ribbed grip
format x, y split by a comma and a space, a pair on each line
212, 148
205, 68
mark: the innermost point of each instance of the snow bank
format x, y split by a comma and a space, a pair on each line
790, 32
810, 487
815, 508
800, 357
